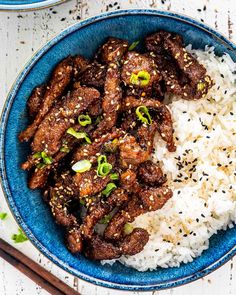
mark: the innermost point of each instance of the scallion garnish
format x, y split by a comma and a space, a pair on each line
133, 45
143, 115
84, 120
109, 188
20, 237
40, 165
64, 149
105, 219
104, 167
128, 228
78, 135
3, 215
141, 79
114, 176
46, 159
82, 166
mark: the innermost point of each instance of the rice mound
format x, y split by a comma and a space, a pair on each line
201, 173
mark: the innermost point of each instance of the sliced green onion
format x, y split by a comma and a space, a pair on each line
114, 176
128, 228
105, 219
102, 159
64, 149
141, 79
37, 155
46, 159
143, 115
133, 45
78, 135
109, 188
98, 120
19, 238
3, 215
84, 120
40, 165
42, 155
82, 202
104, 169
82, 166
112, 146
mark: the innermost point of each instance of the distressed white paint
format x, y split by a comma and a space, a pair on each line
21, 34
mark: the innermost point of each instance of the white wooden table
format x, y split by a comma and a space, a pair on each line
21, 34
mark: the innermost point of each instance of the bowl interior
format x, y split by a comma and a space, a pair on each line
30, 210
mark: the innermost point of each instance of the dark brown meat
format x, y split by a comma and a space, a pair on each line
101, 208
113, 50
181, 71
60, 118
151, 174
134, 63
128, 181
165, 125
114, 230
111, 101
60, 197
133, 152
35, 100
98, 249
92, 151
74, 239
154, 198
60, 79
39, 178
80, 65
134, 242
89, 184
130, 102
94, 75
147, 199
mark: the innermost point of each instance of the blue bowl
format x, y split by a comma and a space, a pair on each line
32, 213
27, 4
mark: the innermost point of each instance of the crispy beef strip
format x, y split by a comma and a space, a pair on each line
99, 209
165, 125
94, 75
182, 72
60, 118
133, 64
98, 249
92, 151
151, 174
80, 64
133, 152
74, 239
89, 184
60, 196
60, 79
147, 199
129, 182
111, 100
35, 100
113, 50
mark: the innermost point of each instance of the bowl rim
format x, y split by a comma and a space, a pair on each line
30, 6
3, 178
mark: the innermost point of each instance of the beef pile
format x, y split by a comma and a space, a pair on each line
92, 135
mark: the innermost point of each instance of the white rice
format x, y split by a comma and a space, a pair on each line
204, 199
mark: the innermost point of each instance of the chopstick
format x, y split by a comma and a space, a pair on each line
34, 271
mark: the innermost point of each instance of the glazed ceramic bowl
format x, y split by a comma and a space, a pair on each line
27, 4
29, 209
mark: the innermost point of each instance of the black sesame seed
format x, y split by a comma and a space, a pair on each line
203, 215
